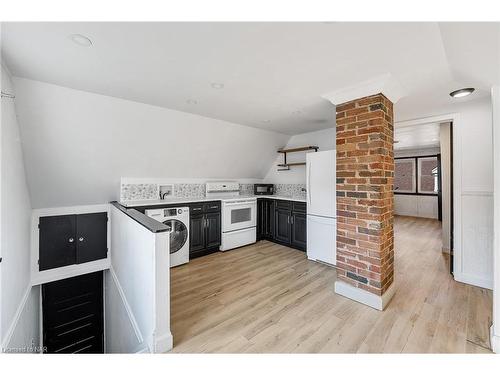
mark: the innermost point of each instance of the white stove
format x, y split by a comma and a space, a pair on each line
239, 214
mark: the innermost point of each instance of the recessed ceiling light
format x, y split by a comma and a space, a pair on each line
217, 86
396, 141
81, 40
191, 101
462, 92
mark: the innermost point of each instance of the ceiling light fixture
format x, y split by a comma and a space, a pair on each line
191, 101
81, 40
462, 92
396, 141
217, 86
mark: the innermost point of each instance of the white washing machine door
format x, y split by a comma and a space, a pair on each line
178, 234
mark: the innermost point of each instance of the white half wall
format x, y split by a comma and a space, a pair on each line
137, 289
78, 144
324, 139
416, 205
18, 302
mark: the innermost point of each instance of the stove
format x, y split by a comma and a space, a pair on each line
239, 214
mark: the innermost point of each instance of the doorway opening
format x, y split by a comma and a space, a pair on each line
423, 181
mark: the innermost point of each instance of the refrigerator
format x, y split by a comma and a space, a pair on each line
321, 206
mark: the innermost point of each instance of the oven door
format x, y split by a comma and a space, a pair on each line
239, 215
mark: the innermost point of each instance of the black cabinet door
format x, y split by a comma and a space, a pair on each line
196, 233
261, 216
91, 237
269, 229
57, 242
299, 230
282, 225
73, 314
213, 229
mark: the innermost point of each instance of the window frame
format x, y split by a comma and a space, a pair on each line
417, 177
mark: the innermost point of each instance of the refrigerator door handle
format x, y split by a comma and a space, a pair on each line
309, 183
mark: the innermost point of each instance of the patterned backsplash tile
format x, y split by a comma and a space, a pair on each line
138, 192
246, 189
189, 190
133, 192
292, 190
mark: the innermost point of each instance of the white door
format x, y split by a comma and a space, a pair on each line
321, 239
320, 177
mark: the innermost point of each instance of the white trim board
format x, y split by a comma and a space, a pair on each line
365, 297
130, 314
40, 277
17, 316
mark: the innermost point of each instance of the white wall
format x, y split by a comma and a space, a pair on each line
77, 144
495, 332
18, 303
473, 153
325, 139
137, 289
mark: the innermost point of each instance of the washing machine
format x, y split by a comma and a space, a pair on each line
177, 219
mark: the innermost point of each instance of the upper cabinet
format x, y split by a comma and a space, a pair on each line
72, 239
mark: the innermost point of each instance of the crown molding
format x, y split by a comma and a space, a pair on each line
384, 84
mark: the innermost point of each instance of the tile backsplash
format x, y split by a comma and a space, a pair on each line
292, 190
135, 192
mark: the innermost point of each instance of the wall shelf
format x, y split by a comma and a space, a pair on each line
286, 166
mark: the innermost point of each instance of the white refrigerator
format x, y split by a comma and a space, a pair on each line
321, 206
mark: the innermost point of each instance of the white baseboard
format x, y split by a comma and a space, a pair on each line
494, 341
164, 343
364, 297
17, 317
473, 280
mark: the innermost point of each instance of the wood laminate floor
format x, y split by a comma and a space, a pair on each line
267, 298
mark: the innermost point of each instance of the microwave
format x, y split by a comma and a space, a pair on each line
263, 189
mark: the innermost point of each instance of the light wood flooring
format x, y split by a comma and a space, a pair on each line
267, 298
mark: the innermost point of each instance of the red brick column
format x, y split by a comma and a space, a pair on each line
365, 173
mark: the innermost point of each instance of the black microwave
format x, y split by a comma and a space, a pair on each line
263, 189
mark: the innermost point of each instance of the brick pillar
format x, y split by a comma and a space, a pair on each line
365, 173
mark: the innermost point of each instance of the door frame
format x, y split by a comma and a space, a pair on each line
456, 186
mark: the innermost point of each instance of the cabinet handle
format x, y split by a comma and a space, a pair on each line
214, 207
81, 239
291, 219
71, 239
288, 219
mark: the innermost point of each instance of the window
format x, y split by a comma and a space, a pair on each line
404, 176
428, 175
417, 175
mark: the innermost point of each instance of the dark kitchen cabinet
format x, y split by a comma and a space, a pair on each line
196, 233
283, 227
265, 219
283, 222
204, 228
299, 230
73, 314
213, 229
72, 239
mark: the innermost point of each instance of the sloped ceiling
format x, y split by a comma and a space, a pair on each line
273, 73
78, 145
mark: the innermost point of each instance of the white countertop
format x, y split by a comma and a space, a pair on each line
158, 202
